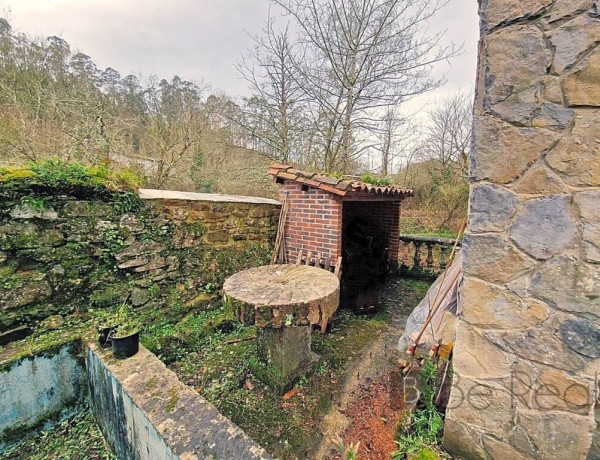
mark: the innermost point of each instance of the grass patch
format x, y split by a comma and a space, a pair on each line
221, 373
76, 438
287, 428
414, 226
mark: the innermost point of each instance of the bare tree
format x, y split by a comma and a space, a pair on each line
388, 139
274, 115
360, 57
173, 127
447, 135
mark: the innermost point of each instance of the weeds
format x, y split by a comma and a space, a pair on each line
348, 452
75, 438
422, 435
367, 178
64, 175
37, 204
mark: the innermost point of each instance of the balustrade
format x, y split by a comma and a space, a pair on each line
424, 255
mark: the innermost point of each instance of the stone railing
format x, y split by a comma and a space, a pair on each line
424, 255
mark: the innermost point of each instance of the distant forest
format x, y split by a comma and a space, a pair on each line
327, 100
56, 103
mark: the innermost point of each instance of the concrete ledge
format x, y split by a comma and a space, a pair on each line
150, 194
146, 412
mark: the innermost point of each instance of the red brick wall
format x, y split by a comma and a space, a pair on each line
390, 223
314, 221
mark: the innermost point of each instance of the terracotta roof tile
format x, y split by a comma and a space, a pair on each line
329, 180
336, 186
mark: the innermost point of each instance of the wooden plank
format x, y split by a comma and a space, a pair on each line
318, 260
330, 189
308, 258
338, 267
327, 263
299, 258
324, 323
280, 233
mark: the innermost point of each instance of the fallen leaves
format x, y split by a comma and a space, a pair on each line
290, 394
249, 385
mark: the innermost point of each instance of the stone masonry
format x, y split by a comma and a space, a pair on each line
527, 349
171, 253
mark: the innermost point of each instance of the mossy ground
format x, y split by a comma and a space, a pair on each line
195, 345
76, 438
287, 428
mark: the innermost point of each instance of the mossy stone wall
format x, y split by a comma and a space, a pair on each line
71, 250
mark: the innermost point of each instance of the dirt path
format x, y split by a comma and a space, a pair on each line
368, 405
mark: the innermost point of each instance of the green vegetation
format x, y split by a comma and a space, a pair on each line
47, 344
218, 366
37, 204
125, 321
368, 178
348, 452
420, 437
57, 104
57, 174
69, 264
76, 438
214, 354
423, 227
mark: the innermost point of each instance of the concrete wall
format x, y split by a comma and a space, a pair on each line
145, 412
37, 391
528, 347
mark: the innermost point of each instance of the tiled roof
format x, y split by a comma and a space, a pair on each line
343, 187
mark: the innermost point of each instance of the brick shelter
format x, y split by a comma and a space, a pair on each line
335, 218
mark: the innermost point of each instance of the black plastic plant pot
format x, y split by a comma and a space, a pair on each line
104, 335
124, 347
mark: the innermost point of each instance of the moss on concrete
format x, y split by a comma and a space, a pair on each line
45, 345
173, 399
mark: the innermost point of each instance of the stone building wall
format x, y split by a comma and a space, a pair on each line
65, 252
527, 349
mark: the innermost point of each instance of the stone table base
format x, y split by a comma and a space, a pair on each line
285, 355
283, 301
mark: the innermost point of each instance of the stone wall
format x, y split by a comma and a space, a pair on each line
527, 349
65, 251
145, 412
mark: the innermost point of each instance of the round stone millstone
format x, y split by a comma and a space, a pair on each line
283, 295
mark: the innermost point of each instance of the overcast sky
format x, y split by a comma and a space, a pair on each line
197, 39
